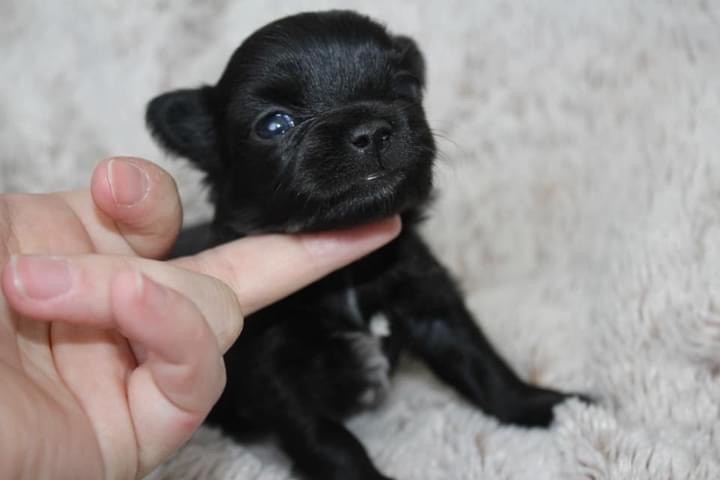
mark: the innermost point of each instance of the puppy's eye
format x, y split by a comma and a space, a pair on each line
274, 124
407, 87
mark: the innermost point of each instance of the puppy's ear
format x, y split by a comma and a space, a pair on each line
183, 123
411, 59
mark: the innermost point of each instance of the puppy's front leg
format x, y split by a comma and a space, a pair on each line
323, 449
430, 314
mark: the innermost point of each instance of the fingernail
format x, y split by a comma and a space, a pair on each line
41, 278
351, 242
128, 183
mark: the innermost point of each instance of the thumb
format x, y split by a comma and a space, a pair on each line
143, 201
133, 207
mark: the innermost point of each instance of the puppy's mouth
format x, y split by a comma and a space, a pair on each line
380, 182
377, 175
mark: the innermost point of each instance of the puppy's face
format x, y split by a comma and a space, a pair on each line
316, 123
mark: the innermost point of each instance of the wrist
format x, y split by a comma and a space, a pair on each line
16, 451
39, 438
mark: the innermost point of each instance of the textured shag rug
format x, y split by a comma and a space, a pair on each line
579, 207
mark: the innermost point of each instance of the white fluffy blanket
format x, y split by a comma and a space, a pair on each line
579, 207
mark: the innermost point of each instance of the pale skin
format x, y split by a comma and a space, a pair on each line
110, 358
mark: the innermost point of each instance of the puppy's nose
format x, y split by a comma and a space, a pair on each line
371, 136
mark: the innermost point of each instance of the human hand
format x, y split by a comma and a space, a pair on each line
110, 358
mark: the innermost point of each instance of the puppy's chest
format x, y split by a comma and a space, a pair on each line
373, 321
365, 331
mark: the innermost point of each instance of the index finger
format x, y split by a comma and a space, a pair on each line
263, 269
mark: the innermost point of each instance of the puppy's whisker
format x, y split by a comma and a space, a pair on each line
444, 137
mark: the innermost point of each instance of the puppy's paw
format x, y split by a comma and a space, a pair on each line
534, 407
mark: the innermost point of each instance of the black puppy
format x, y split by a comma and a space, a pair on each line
315, 124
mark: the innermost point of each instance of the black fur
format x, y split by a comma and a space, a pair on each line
303, 364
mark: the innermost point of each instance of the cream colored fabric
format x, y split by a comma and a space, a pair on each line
579, 207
